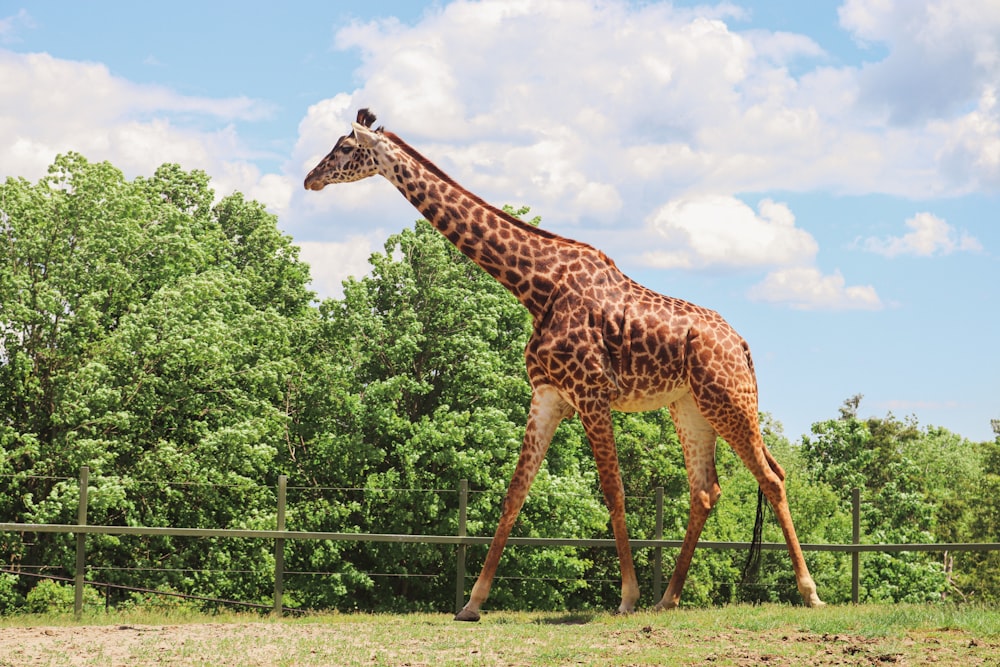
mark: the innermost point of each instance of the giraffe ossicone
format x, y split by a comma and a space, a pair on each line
600, 342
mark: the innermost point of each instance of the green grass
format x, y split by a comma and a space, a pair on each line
733, 635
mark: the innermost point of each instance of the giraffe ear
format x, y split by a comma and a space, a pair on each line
365, 136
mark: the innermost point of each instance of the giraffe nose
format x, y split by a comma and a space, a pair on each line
313, 182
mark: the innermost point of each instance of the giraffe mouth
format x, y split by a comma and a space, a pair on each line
314, 182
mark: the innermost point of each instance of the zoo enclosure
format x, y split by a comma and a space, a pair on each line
461, 541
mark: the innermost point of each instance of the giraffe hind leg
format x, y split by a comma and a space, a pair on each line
697, 438
738, 425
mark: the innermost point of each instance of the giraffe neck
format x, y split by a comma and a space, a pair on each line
526, 260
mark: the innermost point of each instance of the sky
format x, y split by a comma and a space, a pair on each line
824, 174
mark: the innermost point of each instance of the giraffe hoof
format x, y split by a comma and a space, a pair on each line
467, 615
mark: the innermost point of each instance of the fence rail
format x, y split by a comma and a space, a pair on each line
461, 540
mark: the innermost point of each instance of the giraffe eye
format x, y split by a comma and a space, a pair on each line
345, 149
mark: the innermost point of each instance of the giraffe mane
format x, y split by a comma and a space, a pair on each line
430, 166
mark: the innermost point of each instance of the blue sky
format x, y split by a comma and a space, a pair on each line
824, 174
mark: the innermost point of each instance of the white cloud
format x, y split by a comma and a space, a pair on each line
721, 231
930, 236
605, 115
67, 106
11, 25
324, 122
552, 84
941, 54
806, 288
619, 99
483, 89
927, 24
970, 155
330, 263
713, 231
614, 113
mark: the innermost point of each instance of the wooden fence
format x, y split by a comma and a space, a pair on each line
461, 541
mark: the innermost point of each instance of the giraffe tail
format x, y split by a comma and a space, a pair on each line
751, 568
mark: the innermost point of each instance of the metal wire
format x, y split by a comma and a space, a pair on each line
136, 589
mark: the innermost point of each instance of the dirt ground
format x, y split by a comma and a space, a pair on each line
75, 645
250, 644
128, 645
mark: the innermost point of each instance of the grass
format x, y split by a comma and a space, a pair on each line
733, 635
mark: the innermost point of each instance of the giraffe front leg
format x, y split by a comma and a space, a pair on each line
547, 411
600, 433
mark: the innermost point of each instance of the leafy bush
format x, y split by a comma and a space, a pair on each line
10, 598
50, 596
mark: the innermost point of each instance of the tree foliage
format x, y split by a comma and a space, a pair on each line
167, 339
145, 333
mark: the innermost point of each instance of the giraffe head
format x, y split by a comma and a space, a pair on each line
353, 156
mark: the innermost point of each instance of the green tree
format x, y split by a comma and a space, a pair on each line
147, 334
874, 455
977, 574
951, 472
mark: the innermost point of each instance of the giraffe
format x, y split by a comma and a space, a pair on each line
599, 342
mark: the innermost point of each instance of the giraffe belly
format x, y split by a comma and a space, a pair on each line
642, 401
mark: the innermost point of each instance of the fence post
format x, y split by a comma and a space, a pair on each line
279, 548
81, 542
463, 504
855, 539
658, 551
